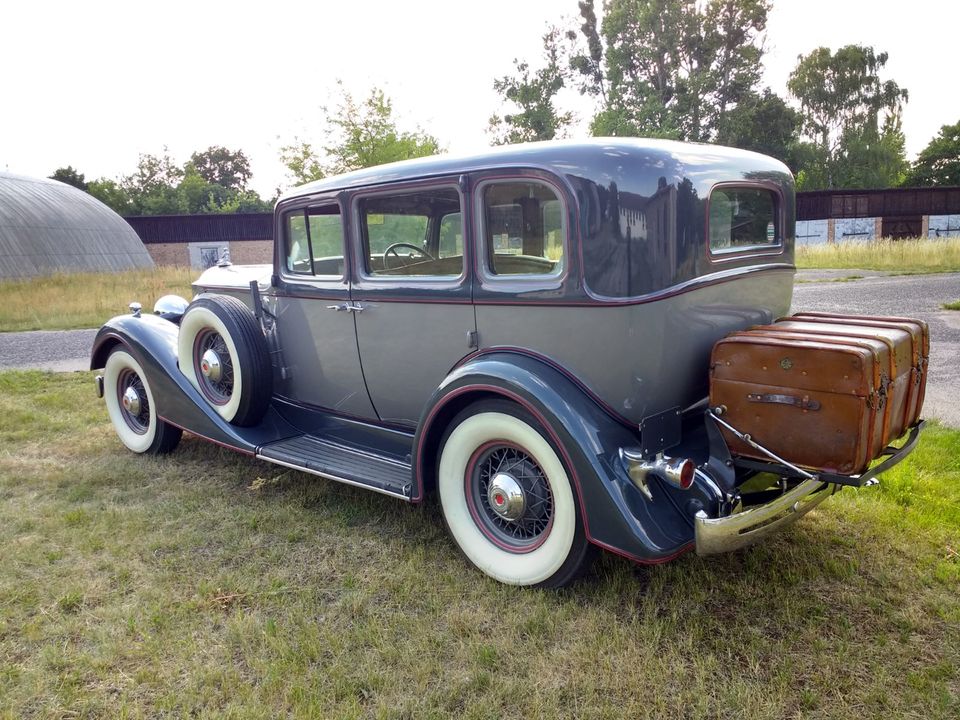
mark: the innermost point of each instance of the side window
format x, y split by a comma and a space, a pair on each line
742, 218
314, 241
451, 235
523, 228
417, 233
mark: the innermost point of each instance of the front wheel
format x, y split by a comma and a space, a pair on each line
507, 499
131, 408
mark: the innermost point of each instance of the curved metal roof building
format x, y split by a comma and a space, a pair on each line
47, 227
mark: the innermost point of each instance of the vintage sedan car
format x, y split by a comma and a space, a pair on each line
524, 335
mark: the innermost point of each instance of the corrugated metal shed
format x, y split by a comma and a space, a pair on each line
47, 227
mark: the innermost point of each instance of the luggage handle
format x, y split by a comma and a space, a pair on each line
804, 403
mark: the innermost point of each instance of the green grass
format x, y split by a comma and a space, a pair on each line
85, 300
896, 256
952, 305
208, 584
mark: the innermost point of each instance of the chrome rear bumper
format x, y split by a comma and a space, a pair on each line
717, 535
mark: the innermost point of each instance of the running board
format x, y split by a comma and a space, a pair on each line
341, 463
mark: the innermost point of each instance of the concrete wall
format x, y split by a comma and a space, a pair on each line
812, 232
201, 255
943, 226
855, 229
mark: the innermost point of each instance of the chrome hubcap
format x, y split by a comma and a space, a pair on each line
506, 496
210, 366
131, 401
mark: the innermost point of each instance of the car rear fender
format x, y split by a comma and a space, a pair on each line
615, 513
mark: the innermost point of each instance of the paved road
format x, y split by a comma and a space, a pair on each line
913, 295
57, 350
919, 296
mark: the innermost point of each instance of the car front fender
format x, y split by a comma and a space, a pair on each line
152, 341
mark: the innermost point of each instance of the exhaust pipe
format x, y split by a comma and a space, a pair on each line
678, 472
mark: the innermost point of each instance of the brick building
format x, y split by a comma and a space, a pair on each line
198, 241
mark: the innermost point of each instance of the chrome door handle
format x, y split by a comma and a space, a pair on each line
354, 308
346, 307
338, 308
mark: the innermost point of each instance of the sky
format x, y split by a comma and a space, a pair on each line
94, 84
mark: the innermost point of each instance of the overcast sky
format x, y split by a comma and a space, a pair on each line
93, 84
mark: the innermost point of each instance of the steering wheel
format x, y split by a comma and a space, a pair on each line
393, 249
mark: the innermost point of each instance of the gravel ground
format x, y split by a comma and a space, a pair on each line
918, 296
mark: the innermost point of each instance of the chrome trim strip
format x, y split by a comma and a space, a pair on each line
327, 476
717, 535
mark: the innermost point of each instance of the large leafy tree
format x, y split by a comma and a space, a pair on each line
220, 166
669, 68
70, 176
111, 194
851, 118
533, 95
357, 134
764, 123
939, 162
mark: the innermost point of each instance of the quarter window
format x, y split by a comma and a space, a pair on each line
314, 241
742, 218
523, 228
414, 233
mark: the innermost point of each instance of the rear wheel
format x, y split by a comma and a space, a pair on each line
224, 354
131, 408
507, 498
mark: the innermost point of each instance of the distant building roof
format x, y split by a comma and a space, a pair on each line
47, 226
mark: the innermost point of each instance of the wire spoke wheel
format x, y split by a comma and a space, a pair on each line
134, 401
213, 366
510, 496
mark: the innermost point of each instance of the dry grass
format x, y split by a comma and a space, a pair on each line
897, 256
207, 584
85, 300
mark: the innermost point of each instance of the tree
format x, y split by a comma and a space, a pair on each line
763, 123
939, 162
220, 166
110, 194
534, 93
358, 135
851, 115
70, 176
669, 68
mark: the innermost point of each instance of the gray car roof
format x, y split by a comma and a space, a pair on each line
594, 157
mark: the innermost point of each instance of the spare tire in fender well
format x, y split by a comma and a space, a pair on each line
222, 351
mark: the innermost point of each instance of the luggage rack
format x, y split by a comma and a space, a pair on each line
786, 469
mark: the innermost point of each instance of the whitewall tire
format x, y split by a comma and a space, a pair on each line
222, 352
507, 499
131, 408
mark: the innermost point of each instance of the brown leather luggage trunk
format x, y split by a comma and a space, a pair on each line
919, 333
898, 387
814, 402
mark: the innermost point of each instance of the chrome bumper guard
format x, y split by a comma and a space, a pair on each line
717, 535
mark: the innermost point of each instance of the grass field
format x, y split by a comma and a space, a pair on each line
207, 584
952, 305
85, 300
897, 256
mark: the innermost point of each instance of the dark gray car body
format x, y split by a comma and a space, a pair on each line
622, 333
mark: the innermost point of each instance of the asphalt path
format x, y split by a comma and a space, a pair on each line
917, 296
920, 296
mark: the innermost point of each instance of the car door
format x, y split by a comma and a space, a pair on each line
316, 332
412, 288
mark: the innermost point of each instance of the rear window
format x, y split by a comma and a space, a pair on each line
742, 218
